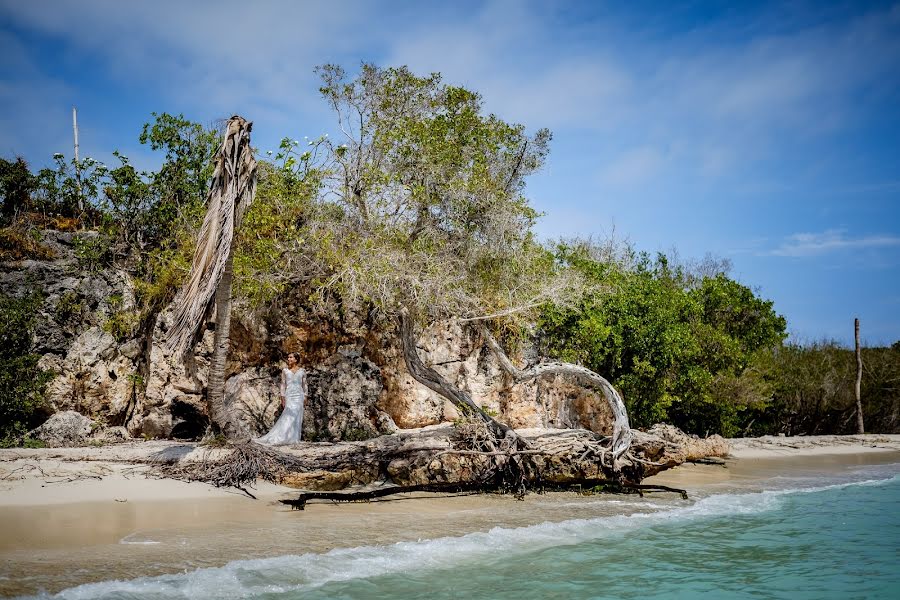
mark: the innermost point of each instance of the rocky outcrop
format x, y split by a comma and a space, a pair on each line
173, 402
460, 356
94, 377
95, 373
344, 392
358, 383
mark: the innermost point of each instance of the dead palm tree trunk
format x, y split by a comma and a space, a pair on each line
231, 191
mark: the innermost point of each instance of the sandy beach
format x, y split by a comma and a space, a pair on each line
76, 515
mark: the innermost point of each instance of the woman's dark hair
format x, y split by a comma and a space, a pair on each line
296, 356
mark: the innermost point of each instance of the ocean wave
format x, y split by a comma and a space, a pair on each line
292, 574
131, 541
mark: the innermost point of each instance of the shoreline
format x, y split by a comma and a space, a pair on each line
68, 520
45, 476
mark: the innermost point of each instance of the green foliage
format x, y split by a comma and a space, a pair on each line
16, 186
131, 205
813, 391
69, 305
93, 251
273, 233
677, 346
22, 383
60, 190
181, 183
422, 204
122, 324
161, 272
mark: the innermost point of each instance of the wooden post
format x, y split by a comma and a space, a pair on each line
859, 411
77, 163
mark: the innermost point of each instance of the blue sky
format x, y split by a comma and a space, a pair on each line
766, 133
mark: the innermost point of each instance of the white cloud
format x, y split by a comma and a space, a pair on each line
717, 103
831, 240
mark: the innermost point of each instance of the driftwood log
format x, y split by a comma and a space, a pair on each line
446, 458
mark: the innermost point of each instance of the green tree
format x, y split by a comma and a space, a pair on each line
682, 347
16, 186
128, 202
181, 183
22, 383
422, 217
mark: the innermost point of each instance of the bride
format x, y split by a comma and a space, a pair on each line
293, 391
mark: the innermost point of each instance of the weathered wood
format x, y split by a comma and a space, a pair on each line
622, 436
436, 383
860, 428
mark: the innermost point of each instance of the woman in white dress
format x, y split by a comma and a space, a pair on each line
288, 427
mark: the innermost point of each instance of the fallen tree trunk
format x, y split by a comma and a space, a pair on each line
440, 455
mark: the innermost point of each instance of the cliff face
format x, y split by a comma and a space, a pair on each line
358, 384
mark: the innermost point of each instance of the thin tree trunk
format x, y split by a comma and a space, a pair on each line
859, 368
621, 438
220, 417
435, 382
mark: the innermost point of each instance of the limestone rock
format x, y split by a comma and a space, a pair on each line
111, 435
254, 396
93, 377
66, 428
343, 398
173, 401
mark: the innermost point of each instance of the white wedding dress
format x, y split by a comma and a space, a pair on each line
288, 427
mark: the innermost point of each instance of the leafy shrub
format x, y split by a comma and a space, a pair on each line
69, 305
93, 252
122, 324
22, 383
16, 185
676, 344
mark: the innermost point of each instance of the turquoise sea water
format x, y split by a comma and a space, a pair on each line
815, 538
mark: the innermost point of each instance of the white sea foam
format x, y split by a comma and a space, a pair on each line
295, 573
131, 540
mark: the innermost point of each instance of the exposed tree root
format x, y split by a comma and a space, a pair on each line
243, 465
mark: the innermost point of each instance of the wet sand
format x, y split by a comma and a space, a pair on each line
124, 525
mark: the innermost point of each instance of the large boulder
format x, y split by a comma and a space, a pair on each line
66, 428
